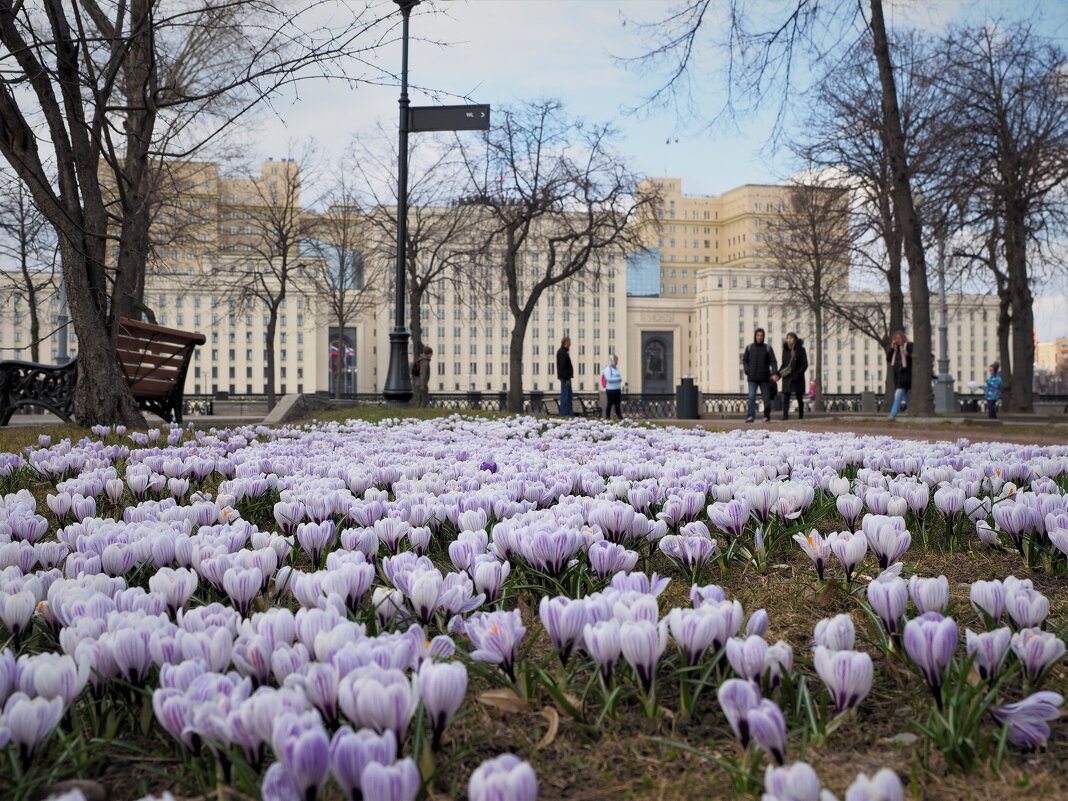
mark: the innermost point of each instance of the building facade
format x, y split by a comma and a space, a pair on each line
686, 307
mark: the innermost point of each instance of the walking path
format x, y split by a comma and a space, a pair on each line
1035, 430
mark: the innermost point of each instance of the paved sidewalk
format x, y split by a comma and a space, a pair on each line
199, 421
1036, 430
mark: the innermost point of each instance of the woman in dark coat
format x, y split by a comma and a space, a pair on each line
793, 364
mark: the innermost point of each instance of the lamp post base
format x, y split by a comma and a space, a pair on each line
398, 386
945, 399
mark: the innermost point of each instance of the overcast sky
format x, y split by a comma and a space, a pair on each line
503, 51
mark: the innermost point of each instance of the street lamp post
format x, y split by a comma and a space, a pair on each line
945, 399
398, 386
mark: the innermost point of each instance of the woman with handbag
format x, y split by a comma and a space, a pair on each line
792, 373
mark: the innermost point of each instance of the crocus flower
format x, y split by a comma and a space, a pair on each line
496, 637
757, 624
279, 785
850, 507
768, 729
816, 547
988, 599
849, 548
846, 674
747, 656
16, 611
887, 538
930, 641
607, 558
1026, 720
642, 644
302, 745
796, 782
29, 721
883, 786
778, 659
1027, 608
929, 594
563, 619
381, 699
1037, 650
988, 649
442, 686
888, 596
351, 752
836, 633
504, 777
736, 697
602, 641
397, 782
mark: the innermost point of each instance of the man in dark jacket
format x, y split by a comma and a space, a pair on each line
899, 356
564, 373
792, 372
758, 364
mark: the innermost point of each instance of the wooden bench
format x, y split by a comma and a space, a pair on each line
579, 407
154, 361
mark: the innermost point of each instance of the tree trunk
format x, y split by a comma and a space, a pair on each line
27, 278
1004, 354
101, 395
515, 362
1020, 395
897, 307
817, 401
268, 383
905, 211
342, 354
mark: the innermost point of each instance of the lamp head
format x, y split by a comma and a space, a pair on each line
407, 5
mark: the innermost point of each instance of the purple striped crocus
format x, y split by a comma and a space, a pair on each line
1037, 651
642, 644
378, 698
496, 637
504, 778
929, 594
301, 744
836, 633
796, 782
1027, 608
817, 549
849, 548
602, 642
29, 721
748, 657
563, 619
736, 697
730, 517
987, 650
607, 558
351, 752
888, 597
767, 727
930, 641
988, 599
397, 782
849, 507
887, 538
846, 674
883, 786
442, 686
1026, 720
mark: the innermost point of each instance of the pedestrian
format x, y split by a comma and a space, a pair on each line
613, 387
794, 363
810, 396
565, 371
993, 391
758, 363
421, 373
899, 357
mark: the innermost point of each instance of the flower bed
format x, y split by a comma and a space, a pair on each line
480, 607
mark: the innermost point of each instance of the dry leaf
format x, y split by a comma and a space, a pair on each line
551, 715
503, 698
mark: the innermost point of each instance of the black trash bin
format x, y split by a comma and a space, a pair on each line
687, 400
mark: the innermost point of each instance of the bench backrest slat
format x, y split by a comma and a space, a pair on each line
153, 358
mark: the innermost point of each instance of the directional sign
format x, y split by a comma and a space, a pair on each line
448, 118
